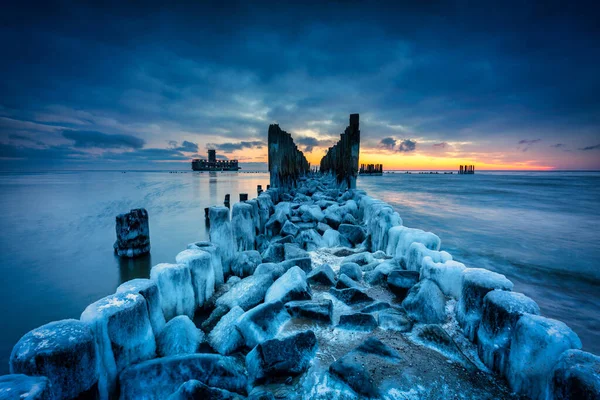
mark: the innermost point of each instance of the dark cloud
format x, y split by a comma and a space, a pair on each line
388, 143
40, 153
93, 139
595, 147
187, 147
231, 147
310, 143
441, 145
525, 144
558, 145
406, 146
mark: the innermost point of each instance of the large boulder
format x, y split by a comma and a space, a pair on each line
576, 376
304, 263
274, 253
149, 289
123, 333
225, 338
180, 336
353, 233
309, 240
176, 289
19, 386
352, 270
245, 263
290, 286
289, 229
426, 303
380, 273
351, 296
287, 356
344, 282
322, 275
215, 254
400, 282
64, 352
332, 238
200, 264
247, 293
293, 251
275, 270
159, 378
320, 310
221, 235
261, 323
243, 226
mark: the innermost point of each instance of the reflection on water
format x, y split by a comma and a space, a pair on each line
134, 268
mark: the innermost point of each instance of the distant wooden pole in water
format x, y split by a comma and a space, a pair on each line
243, 196
227, 200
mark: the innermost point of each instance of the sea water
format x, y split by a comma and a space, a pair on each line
57, 230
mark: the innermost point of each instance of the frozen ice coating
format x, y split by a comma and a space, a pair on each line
247, 293
180, 336
426, 303
123, 335
203, 275
19, 386
255, 215
262, 322
576, 376
157, 379
265, 207
401, 237
242, 226
417, 252
382, 220
447, 275
221, 235
476, 283
246, 262
225, 338
149, 289
290, 286
64, 352
501, 311
215, 257
176, 289
536, 347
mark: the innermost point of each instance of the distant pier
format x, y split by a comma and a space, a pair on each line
371, 169
466, 170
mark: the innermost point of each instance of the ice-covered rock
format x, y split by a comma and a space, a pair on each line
64, 352
376, 306
261, 323
293, 251
382, 220
332, 219
194, 389
351, 295
476, 283
292, 285
352, 270
380, 273
363, 258
289, 228
312, 213
332, 238
448, 275
417, 251
400, 282
275, 253
225, 338
19, 386
305, 264
282, 212
213, 319
273, 269
215, 254
344, 282
400, 238
123, 333
242, 226
159, 378
353, 233
322, 227
576, 376
349, 219
245, 263
501, 311
221, 235
309, 240
203, 275
358, 321
247, 293
287, 356
321, 310
426, 303
133, 233
434, 336
322, 275
536, 347
176, 290
393, 319
180, 336
149, 289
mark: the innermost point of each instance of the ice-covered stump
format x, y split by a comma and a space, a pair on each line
19, 386
203, 275
448, 275
379, 225
501, 311
262, 322
536, 346
180, 336
288, 356
247, 293
159, 378
221, 235
576, 376
225, 338
65, 353
426, 303
246, 262
265, 206
242, 226
149, 289
215, 257
417, 252
290, 286
176, 289
123, 335
476, 283
400, 238
133, 233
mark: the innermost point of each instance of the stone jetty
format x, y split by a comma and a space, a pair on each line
312, 290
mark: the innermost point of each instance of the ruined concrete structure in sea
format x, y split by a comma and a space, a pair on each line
312, 290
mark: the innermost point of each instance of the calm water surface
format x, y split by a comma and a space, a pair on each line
57, 232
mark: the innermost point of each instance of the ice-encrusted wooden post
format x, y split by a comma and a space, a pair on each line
133, 233
286, 162
342, 159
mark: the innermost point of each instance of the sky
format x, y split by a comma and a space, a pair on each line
436, 84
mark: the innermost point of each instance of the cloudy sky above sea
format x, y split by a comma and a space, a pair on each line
437, 84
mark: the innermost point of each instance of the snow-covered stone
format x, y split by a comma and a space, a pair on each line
309, 240
288, 356
380, 273
176, 290
180, 336
123, 334
321, 310
19, 386
159, 378
322, 275
203, 275
353, 233
247, 293
292, 285
289, 228
476, 283
400, 238
536, 347
417, 251
448, 275
501, 311
363, 258
344, 282
332, 238
215, 254
261, 323
242, 227
426, 303
351, 295
274, 253
273, 269
400, 282
281, 214
576, 376
246, 262
149, 289
64, 352
225, 338
293, 251
221, 235
352, 270
305, 264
